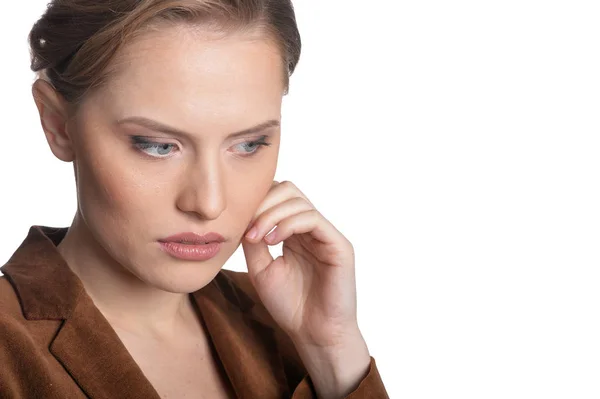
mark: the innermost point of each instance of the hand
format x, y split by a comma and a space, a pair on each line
310, 291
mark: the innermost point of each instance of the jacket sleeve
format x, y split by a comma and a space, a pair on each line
370, 387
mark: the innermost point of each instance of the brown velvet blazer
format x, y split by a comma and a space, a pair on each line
55, 343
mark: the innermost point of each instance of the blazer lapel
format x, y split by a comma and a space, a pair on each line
86, 344
92, 352
245, 344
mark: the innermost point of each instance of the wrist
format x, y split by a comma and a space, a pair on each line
336, 371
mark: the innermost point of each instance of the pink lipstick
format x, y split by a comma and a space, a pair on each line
192, 246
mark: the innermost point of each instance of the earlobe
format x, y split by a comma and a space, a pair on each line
54, 116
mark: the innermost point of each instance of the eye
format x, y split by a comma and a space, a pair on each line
253, 146
162, 149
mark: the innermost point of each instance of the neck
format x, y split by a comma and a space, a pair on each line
127, 302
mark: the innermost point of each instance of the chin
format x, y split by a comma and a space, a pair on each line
183, 279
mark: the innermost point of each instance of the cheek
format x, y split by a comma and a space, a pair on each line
108, 189
246, 194
107, 182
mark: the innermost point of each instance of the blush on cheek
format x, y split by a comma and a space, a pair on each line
105, 186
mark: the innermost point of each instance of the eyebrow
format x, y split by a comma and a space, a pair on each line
160, 127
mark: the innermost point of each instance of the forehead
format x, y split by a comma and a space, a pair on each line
196, 69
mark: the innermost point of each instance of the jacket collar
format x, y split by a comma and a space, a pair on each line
46, 286
94, 355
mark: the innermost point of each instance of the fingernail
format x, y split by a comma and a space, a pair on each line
252, 233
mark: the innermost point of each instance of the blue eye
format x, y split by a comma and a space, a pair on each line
254, 146
163, 149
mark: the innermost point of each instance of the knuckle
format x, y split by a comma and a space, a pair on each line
287, 184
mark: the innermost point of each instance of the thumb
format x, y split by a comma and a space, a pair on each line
257, 257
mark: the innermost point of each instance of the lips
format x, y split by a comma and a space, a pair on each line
191, 238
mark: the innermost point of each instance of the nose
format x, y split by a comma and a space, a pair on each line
203, 190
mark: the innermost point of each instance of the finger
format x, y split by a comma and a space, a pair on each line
279, 193
312, 222
258, 257
273, 216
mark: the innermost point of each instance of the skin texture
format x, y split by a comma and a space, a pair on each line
207, 85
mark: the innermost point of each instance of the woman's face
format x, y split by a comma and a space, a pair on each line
131, 194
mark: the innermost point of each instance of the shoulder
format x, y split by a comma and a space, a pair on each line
14, 327
17, 343
11, 314
20, 335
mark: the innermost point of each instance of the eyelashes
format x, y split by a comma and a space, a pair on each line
258, 144
163, 150
144, 144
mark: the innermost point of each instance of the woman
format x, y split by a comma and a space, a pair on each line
170, 112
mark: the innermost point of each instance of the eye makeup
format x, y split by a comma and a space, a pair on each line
143, 144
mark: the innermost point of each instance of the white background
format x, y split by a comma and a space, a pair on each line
456, 144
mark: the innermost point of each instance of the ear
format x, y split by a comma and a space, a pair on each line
54, 116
